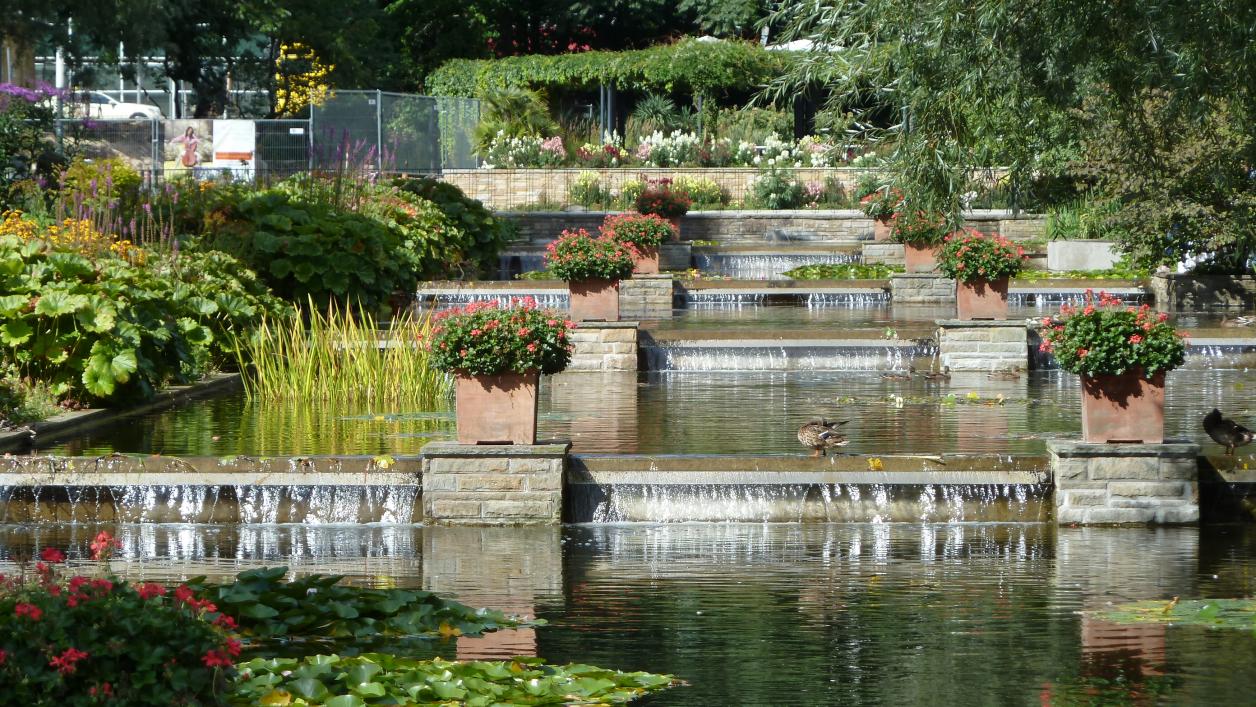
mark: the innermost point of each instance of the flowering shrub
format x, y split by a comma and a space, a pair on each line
553, 153
610, 153
661, 198
675, 150
1104, 337
576, 255
701, 190
775, 188
506, 152
920, 228
970, 256
484, 339
587, 190
638, 230
26, 120
881, 203
775, 152
82, 641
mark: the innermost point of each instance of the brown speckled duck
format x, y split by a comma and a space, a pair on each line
937, 376
822, 436
1223, 431
900, 375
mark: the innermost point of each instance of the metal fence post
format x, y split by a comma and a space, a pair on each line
379, 130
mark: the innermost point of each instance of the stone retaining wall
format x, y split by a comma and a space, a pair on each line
983, 345
884, 253
466, 484
1125, 483
1175, 292
646, 297
605, 346
921, 288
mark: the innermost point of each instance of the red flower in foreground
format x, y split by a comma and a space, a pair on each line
1136, 339
149, 590
64, 663
29, 610
216, 659
104, 545
53, 555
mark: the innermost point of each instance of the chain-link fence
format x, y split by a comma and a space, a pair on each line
358, 130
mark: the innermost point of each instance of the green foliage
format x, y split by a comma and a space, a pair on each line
513, 112
1213, 613
630, 190
702, 191
98, 641
880, 202
483, 339
688, 66
586, 190
314, 251
26, 120
971, 256
339, 357
483, 234
638, 230
753, 124
1106, 338
375, 679
22, 401
776, 188
111, 179
577, 256
656, 113
919, 227
317, 608
101, 328
1082, 218
844, 271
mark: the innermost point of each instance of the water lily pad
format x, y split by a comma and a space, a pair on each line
1218, 613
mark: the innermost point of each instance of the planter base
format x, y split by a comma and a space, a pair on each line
921, 258
646, 262
1124, 408
498, 409
881, 229
594, 300
981, 300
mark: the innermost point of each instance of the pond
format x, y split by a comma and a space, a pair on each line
900, 614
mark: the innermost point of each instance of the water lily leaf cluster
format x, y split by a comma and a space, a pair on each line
1217, 613
375, 679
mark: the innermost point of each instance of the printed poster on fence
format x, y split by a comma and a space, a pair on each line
234, 147
189, 147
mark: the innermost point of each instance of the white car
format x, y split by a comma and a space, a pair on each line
94, 104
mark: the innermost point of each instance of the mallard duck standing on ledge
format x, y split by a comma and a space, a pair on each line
1223, 431
821, 436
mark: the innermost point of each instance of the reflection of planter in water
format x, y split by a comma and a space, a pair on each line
646, 262
594, 300
921, 257
1123, 408
981, 299
497, 409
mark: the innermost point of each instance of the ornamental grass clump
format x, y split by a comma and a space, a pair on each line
920, 228
1105, 337
577, 256
970, 256
641, 231
485, 339
664, 199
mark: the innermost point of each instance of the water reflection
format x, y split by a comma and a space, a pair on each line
788, 614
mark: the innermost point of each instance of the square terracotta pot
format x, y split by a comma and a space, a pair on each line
982, 299
498, 409
594, 300
881, 228
921, 258
646, 261
676, 225
1124, 408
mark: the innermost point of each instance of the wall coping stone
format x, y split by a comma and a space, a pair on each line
987, 324
547, 450
1170, 448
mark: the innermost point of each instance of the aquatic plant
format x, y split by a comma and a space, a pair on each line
338, 356
843, 271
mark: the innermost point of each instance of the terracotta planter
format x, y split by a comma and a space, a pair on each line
646, 261
499, 409
676, 225
983, 299
921, 258
594, 300
1124, 408
881, 229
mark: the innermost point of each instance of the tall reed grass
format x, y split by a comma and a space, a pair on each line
341, 357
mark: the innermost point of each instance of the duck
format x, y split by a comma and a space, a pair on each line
1226, 432
1240, 321
821, 436
938, 376
1005, 375
900, 375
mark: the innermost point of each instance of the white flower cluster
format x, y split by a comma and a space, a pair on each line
675, 150
523, 152
775, 152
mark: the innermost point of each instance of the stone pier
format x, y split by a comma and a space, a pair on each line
604, 346
646, 297
1097, 484
983, 345
883, 252
921, 288
508, 484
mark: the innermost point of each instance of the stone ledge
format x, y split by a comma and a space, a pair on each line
985, 323
1170, 448
554, 449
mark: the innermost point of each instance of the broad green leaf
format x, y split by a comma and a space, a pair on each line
15, 332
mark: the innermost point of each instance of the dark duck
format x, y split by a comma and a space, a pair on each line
822, 436
1224, 431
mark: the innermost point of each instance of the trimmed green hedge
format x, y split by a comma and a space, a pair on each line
709, 68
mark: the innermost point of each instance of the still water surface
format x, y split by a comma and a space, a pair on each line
788, 614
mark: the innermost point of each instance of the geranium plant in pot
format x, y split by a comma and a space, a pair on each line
644, 233
496, 356
592, 267
1122, 354
921, 233
881, 204
661, 198
981, 266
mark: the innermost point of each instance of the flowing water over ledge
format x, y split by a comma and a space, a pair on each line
920, 614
